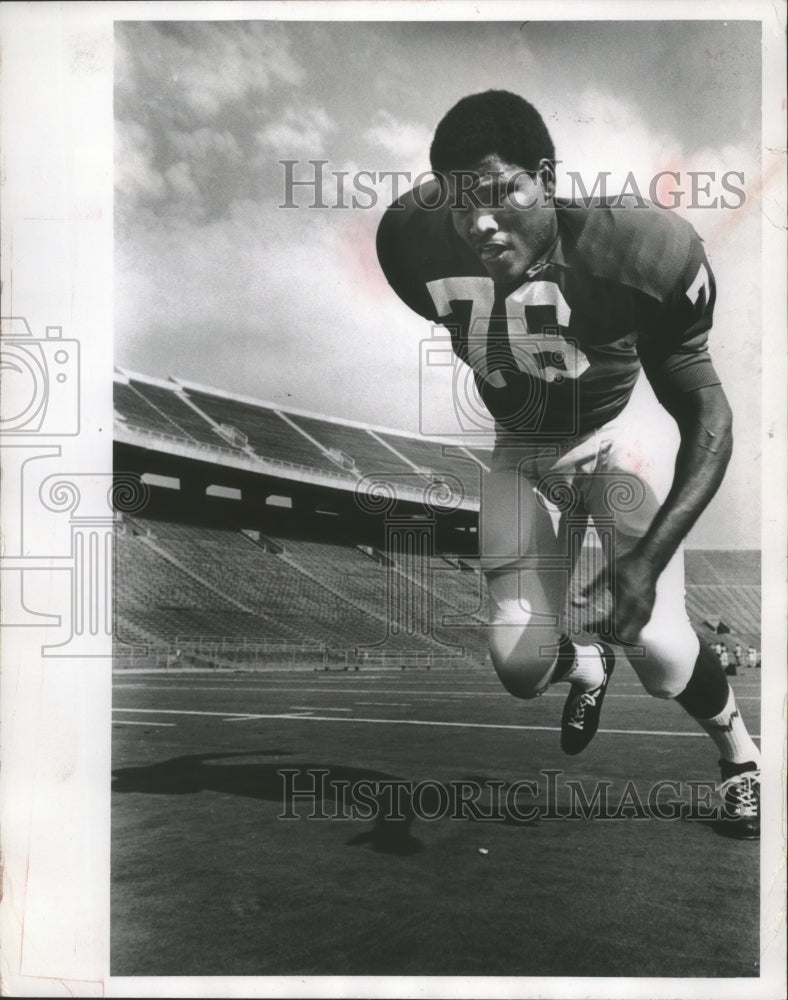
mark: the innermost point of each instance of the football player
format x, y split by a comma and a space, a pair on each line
556, 307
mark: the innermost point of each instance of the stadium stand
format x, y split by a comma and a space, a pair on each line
361, 578
275, 562
128, 633
268, 434
167, 598
738, 606
135, 409
369, 456
428, 455
177, 412
459, 583
710, 566
725, 586
192, 582
393, 592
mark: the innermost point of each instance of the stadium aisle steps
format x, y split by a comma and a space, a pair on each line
172, 424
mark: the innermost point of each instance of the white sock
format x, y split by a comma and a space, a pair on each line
588, 671
730, 735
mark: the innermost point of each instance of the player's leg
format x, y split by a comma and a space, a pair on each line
517, 539
674, 663
709, 699
678, 665
527, 570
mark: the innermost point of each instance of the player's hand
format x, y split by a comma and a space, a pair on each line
623, 614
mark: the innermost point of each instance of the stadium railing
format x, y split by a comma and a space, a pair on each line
243, 459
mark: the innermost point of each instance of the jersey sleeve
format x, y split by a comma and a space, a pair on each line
399, 244
674, 351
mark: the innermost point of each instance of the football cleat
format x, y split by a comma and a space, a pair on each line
741, 800
580, 718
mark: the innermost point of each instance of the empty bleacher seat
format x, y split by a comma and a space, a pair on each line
267, 433
191, 424
370, 456
439, 459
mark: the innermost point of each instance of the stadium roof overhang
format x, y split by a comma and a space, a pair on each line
142, 448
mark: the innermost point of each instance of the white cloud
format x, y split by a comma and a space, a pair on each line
408, 141
198, 67
135, 175
268, 301
205, 144
216, 66
179, 177
298, 130
173, 81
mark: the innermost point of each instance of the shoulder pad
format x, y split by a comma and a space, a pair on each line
633, 243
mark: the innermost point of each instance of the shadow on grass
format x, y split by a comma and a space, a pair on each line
311, 789
300, 790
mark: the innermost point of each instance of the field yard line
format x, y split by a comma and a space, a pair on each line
251, 717
174, 711
247, 718
317, 708
302, 690
561, 693
129, 722
389, 704
426, 691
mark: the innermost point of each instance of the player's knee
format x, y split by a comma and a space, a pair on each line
667, 666
661, 687
517, 661
517, 682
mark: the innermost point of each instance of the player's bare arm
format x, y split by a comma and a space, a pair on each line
705, 424
706, 427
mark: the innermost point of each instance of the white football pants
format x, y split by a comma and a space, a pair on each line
534, 505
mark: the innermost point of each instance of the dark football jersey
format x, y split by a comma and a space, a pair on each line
559, 354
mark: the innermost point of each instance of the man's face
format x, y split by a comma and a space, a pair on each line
505, 214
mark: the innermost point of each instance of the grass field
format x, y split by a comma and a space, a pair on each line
208, 879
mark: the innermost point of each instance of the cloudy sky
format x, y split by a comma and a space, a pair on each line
217, 283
